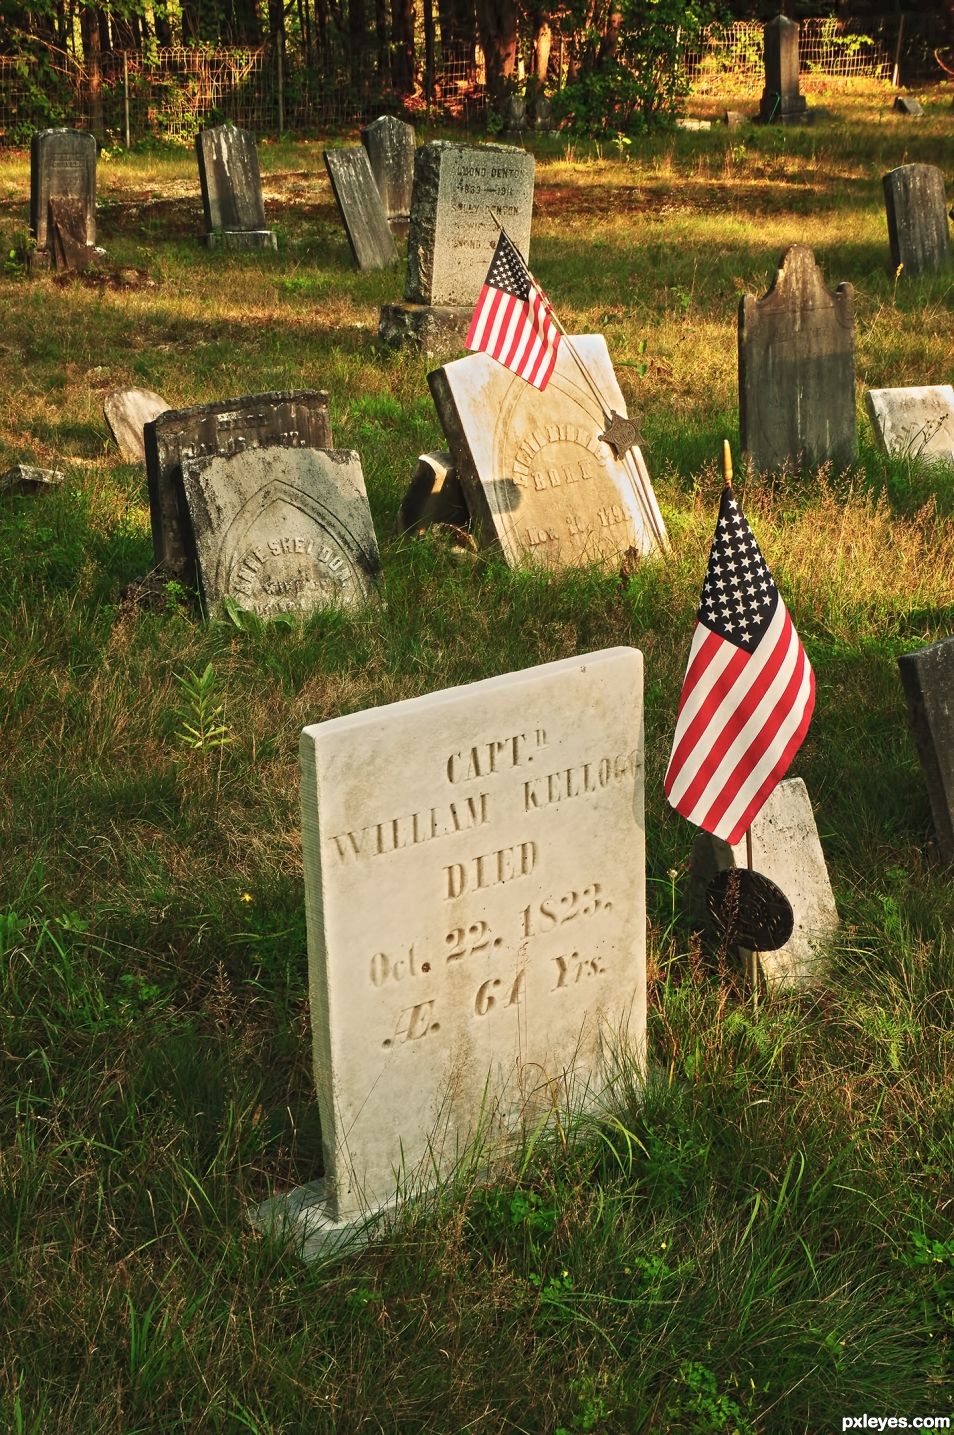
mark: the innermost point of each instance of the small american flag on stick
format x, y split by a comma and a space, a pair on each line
513, 321
749, 691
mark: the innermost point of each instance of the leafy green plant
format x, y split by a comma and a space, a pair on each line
201, 715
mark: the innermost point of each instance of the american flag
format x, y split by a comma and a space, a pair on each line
512, 319
749, 691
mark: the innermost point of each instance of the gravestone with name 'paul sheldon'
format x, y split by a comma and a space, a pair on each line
281, 530
475, 896
285, 419
538, 478
797, 370
231, 185
390, 144
914, 423
927, 677
916, 208
781, 102
458, 189
360, 207
63, 197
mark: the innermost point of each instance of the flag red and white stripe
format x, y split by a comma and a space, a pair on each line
748, 694
512, 320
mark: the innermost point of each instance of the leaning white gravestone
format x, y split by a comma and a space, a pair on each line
914, 423
475, 892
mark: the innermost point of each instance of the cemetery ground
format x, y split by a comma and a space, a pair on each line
761, 1239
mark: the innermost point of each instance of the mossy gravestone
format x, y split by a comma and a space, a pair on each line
231, 185
475, 893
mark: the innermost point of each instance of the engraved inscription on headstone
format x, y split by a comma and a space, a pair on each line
231, 185
475, 894
781, 101
360, 207
63, 170
126, 411
289, 419
914, 423
916, 208
797, 369
538, 478
928, 680
281, 530
390, 144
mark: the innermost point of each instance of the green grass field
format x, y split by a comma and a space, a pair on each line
762, 1241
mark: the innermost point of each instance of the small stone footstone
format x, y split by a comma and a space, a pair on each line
457, 190
281, 530
538, 478
25, 478
231, 185
63, 198
285, 419
787, 850
908, 105
360, 207
797, 369
914, 423
927, 677
781, 102
690, 124
475, 895
126, 410
433, 496
734, 119
391, 144
916, 209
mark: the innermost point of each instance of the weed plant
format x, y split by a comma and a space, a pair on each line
758, 1241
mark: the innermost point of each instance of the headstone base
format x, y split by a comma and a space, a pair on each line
302, 1218
240, 239
437, 329
799, 115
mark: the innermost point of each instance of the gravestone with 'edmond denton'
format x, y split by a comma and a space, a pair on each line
781, 102
916, 208
927, 677
286, 419
360, 207
457, 191
914, 423
231, 185
797, 370
391, 144
475, 893
63, 198
281, 530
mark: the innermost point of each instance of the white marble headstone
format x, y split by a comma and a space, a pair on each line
914, 423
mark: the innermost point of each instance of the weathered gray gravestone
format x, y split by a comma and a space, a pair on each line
390, 144
26, 478
914, 423
63, 195
289, 419
457, 190
781, 101
231, 185
927, 676
360, 207
281, 530
908, 105
916, 208
797, 369
126, 411
475, 895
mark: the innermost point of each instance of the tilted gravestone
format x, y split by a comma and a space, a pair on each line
538, 479
457, 191
475, 895
433, 496
126, 411
63, 196
786, 849
797, 369
231, 185
391, 144
914, 423
916, 208
927, 677
281, 530
360, 207
781, 102
288, 419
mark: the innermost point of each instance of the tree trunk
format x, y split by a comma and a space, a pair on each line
497, 32
402, 51
458, 23
381, 32
92, 54
356, 41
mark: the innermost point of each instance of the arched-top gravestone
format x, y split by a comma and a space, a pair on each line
797, 369
916, 207
63, 195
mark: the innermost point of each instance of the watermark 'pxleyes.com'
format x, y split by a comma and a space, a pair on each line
895, 1422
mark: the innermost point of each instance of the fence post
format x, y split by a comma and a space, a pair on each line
897, 52
126, 98
280, 85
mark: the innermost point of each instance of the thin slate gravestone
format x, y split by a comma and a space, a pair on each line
63, 194
281, 530
927, 677
126, 411
916, 208
289, 419
360, 207
538, 479
914, 423
781, 102
231, 185
797, 369
475, 897
390, 144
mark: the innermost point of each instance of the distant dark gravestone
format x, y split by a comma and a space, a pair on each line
286, 419
390, 144
927, 677
797, 369
781, 101
908, 105
360, 207
231, 185
63, 195
916, 208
